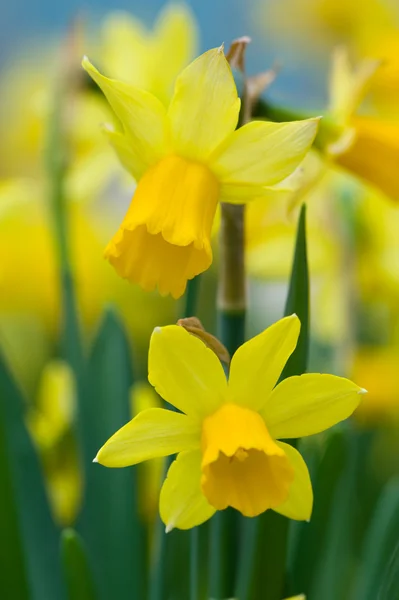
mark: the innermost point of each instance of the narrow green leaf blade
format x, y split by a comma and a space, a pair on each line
109, 523
298, 300
39, 535
390, 579
307, 539
12, 572
379, 544
77, 572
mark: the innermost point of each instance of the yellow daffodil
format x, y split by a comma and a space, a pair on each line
186, 159
227, 433
364, 145
374, 153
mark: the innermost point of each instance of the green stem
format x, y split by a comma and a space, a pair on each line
191, 297
194, 564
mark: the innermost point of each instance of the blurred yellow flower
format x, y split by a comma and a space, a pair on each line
319, 25
378, 368
30, 298
227, 433
270, 230
366, 146
187, 159
374, 154
149, 59
50, 424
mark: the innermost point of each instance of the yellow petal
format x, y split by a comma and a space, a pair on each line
182, 503
175, 43
154, 432
125, 151
205, 106
299, 503
257, 364
242, 466
142, 116
374, 154
308, 404
124, 51
164, 238
185, 372
263, 154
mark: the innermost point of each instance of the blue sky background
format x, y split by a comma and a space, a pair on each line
219, 21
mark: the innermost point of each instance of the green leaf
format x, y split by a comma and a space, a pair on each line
379, 544
337, 554
78, 576
264, 575
307, 539
12, 572
109, 523
390, 580
32, 554
298, 300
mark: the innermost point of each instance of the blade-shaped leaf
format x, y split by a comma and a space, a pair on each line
77, 572
379, 544
109, 523
39, 535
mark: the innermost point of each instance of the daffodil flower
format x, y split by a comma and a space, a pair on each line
227, 432
186, 158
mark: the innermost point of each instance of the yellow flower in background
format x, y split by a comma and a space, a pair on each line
186, 160
374, 154
149, 59
30, 297
228, 432
378, 368
316, 26
50, 424
270, 230
366, 146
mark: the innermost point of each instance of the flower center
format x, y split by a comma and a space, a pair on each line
242, 466
164, 238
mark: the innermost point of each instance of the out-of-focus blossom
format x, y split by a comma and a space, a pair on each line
314, 26
270, 237
378, 368
148, 59
364, 145
227, 432
187, 159
50, 424
29, 281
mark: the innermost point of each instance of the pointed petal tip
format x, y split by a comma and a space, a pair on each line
157, 329
362, 391
221, 48
169, 527
95, 459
